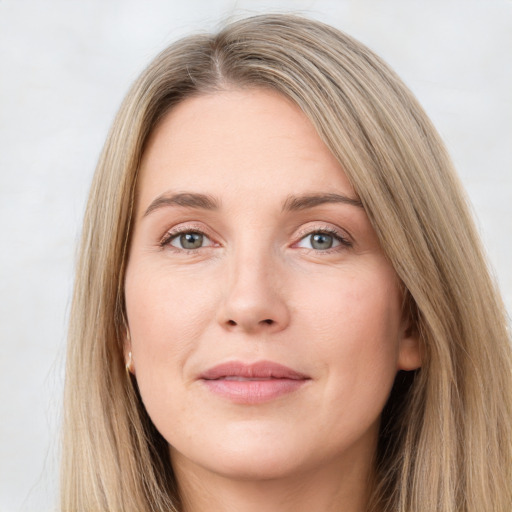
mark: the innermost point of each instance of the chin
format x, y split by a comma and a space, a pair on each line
257, 466
257, 457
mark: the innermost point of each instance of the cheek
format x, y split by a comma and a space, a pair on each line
358, 311
161, 305
356, 326
167, 318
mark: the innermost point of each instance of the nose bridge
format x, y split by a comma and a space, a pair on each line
254, 295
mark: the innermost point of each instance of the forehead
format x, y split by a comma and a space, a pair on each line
242, 142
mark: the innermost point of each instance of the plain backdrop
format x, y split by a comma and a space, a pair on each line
64, 68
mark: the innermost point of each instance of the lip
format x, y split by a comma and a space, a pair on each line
252, 383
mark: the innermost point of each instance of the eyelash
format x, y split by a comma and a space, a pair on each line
176, 232
344, 242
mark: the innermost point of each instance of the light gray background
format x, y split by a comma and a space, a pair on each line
64, 67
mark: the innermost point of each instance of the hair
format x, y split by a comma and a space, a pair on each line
445, 442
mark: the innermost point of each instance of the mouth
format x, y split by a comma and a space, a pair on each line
254, 383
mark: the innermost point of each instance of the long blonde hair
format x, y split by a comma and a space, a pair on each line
446, 439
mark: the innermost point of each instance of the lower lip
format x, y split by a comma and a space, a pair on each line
253, 391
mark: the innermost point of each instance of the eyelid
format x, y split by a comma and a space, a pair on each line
341, 235
186, 227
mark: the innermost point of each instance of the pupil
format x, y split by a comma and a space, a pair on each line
191, 240
321, 241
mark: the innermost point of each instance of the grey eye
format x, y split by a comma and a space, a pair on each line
321, 241
189, 240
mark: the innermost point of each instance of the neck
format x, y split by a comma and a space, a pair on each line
331, 488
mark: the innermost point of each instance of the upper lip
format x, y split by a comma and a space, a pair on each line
257, 370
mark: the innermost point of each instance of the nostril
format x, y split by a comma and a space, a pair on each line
267, 321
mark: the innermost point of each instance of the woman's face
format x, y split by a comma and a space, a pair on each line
265, 321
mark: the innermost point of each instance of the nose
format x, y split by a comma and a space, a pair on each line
254, 301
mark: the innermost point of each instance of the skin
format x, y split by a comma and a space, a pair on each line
258, 289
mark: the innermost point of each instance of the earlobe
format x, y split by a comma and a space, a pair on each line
130, 368
129, 364
411, 350
410, 355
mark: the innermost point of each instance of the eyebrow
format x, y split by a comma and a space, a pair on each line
207, 202
294, 203
184, 199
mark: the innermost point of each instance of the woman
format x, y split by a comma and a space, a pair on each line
281, 301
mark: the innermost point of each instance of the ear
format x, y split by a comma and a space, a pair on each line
130, 368
410, 353
127, 351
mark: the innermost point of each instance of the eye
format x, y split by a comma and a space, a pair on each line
187, 240
322, 241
